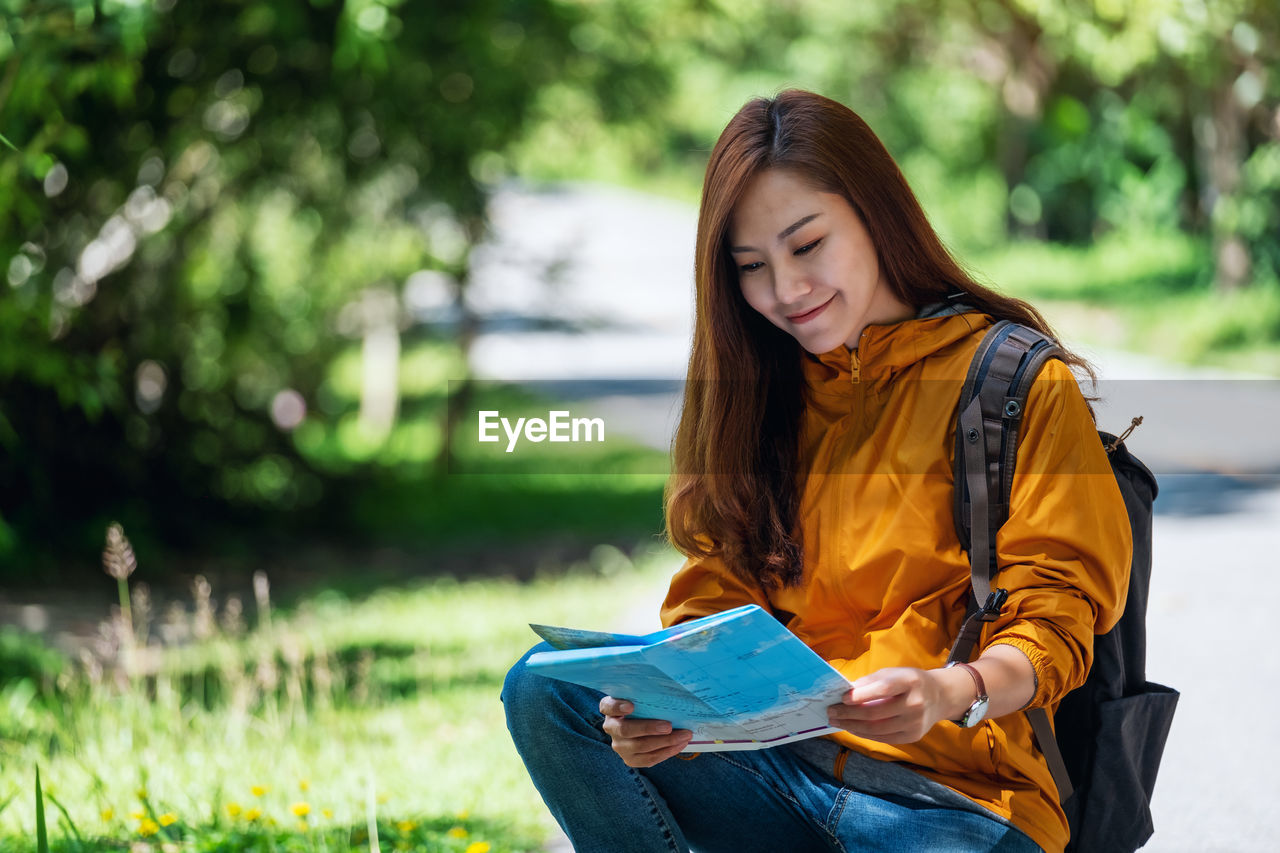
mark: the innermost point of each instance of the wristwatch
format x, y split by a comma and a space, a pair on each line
978, 710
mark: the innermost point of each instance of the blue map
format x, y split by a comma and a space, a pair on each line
737, 679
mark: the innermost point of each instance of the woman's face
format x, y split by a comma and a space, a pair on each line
806, 262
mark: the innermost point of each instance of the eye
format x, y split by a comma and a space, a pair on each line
807, 247
751, 267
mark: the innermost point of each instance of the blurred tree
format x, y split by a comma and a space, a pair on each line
210, 203
220, 220
1157, 105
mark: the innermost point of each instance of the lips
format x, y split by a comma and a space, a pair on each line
806, 316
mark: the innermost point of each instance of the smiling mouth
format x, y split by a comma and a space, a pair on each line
806, 316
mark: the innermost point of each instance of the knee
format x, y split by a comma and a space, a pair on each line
525, 695
532, 701
520, 684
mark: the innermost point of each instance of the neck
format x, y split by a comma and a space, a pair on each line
885, 310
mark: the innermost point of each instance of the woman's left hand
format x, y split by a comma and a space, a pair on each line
894, 705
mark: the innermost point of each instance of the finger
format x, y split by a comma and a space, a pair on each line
659, 743
862, 713
883, 725
626, 727
885, 684
889, 674
656, 758
648, 751
612, 707
650, 744
874, 709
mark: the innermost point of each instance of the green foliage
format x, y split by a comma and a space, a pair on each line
25, 657
1108, 166
438, 835
206, 209
1123, 268
1208, 327
351, 713
1254, 210
76, 838
206, 197
1150, 293
42, 834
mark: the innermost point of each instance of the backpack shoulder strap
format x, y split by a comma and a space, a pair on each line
990, 414
992, 402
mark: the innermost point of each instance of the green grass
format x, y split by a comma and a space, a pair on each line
382, 708
1150, 293
1114, 271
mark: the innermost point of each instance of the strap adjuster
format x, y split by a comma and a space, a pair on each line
994, 604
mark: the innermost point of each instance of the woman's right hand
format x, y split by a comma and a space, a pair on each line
640, 743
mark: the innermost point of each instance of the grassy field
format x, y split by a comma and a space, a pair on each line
1149, 293
346, 723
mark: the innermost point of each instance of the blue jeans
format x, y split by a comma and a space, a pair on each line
762, 800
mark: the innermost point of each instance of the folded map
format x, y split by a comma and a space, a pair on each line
737, 679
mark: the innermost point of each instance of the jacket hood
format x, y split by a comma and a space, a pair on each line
884, 351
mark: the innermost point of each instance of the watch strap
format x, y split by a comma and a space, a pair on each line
977, 677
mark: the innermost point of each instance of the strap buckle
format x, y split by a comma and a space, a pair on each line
990, 610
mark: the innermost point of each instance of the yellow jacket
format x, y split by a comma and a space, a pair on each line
886, 579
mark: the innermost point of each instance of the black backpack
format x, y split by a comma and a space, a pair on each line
1111, 731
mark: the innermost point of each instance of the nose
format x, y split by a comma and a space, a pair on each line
791, 286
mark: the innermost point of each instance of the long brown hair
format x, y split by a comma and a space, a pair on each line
735, 491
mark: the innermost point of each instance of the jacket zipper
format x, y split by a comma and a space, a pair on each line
855, 360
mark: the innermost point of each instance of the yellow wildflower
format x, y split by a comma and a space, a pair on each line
300, 809
457, 832
233, 809
168, 819
147, 827
138, 815
304, 785
479, 847
252, 814
464, 814
107, 815
328, 813
258, 790
302, 826
406, 826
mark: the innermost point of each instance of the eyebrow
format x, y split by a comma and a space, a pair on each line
783, 234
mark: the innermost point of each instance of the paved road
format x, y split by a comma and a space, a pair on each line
617, 307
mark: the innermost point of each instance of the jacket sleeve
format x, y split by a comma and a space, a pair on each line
705, 585
1065, 551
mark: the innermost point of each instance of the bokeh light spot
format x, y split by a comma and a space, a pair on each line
150, 384
55, 181
288, 409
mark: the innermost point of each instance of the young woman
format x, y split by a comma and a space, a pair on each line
814, 478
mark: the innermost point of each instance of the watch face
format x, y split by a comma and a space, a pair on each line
977, 713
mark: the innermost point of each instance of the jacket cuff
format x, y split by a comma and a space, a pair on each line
1040, 666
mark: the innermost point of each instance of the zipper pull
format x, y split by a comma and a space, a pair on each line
855, 366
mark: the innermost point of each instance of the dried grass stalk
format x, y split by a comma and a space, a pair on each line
117, 558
